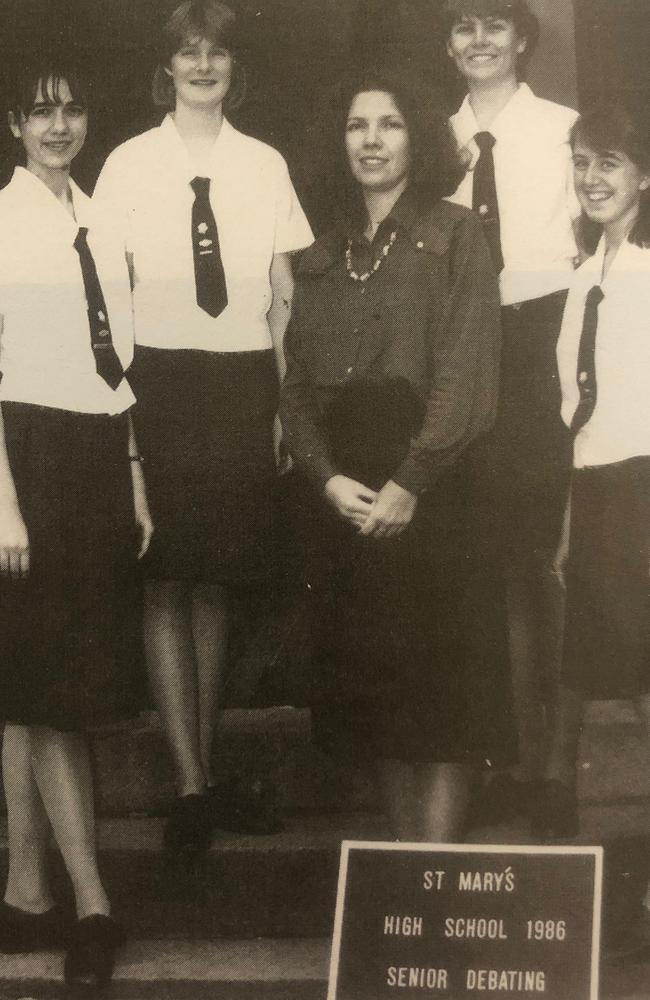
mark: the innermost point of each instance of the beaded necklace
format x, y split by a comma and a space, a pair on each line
385, 250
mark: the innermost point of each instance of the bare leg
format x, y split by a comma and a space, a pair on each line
173, 678
210, 614
62, 770
27, 825
398, 792
565, 740
442, 801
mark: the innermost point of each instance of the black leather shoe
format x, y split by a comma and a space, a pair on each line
554, 811
21, 931
189, 827
90, 958
240, 806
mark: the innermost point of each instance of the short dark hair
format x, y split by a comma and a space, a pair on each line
435, 170
50, 70
198, 19
517, 11
621, 126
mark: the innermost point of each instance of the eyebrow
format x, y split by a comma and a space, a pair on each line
56, 104
382, 118
610, 154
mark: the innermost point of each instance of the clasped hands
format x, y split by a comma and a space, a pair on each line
383, 514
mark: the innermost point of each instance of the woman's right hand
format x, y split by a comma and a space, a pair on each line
351, 500
14, 543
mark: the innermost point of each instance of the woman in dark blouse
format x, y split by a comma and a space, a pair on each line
392, 355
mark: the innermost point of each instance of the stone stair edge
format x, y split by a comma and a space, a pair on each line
296, 719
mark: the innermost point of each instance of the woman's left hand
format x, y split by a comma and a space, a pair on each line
141, 507
391, 513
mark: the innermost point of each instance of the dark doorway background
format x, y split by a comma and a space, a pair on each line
295, 50
613, 48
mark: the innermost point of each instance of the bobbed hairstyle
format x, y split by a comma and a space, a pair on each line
191, 20
47, 72
517, 12
623, 127
435, 167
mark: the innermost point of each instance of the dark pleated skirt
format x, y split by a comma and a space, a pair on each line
70, 633
607, 635
410, 632
204, 423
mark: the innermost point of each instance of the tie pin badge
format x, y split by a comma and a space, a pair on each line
202, 227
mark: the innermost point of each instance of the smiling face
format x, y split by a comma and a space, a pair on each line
53, 131
609, 186
485, 49
201, 71
377, 142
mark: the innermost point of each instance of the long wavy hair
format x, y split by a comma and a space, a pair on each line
435, 167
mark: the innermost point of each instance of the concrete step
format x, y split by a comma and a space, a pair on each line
134, 774
285, 886
184, 970
237, 970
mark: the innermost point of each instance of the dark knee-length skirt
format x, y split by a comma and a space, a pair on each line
607, 632
411, 658
70, 632
529, 450
204, 424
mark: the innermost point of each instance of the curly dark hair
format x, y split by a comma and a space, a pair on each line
621, 126
518, 12
435, 170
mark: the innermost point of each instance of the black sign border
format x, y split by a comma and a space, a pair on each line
526, 849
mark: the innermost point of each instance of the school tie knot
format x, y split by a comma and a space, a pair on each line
485, 141
81, 239
201, 187
595, 296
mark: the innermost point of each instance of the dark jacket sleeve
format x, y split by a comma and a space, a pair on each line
299, 412
467, 344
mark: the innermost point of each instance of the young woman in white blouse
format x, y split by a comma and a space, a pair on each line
211, 218
70, 504
519, 181
604, 362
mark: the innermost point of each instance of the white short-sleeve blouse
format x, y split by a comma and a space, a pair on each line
146, 182
46, 356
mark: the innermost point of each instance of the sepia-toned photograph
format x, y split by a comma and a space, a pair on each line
325, 499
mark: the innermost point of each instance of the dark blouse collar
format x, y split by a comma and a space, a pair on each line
401, 217
427, 226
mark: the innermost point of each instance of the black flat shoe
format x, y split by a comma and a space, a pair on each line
90, 958
21, 931
245, 807
189, 827
554, 811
